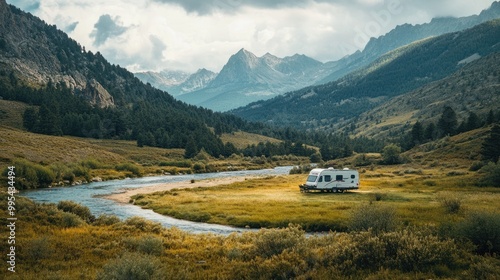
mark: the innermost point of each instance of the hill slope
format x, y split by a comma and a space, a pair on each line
403, 35
474, 88
81, 94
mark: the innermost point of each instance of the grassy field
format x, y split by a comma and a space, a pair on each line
70, 159
65, 243
417, 196
243, 139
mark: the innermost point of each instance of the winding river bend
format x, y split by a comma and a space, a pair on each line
91, 194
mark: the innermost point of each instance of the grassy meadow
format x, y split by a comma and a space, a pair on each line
425, 219
418, 197
377, 238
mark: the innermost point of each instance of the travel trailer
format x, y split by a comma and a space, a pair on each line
331, 180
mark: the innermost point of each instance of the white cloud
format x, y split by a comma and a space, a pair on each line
192, 34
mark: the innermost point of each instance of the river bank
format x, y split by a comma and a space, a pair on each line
125, 195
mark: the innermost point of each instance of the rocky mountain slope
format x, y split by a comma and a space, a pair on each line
403, 35
41, 66
395, 73
177, 82
246, 78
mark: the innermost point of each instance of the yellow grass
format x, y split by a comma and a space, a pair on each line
242, 139
11, 113
276, 201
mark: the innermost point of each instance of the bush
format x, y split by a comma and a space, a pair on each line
150, 245
134, 169
31, 175
270, 242
143, 224
391, 154
91, 163
483, 229
133, 266
183, 163
373, 217
491, 175
451, 202
106, 220
405, 250
39, 249
71, 220
72, 207
198, 167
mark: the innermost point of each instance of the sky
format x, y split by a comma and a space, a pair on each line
186, 35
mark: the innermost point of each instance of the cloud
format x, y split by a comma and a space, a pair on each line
105, 28
230, 6
191, 34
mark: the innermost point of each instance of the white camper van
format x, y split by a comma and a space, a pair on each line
331, 180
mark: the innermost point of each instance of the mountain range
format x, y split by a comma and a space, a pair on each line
75, 92
395, 73
71, 91
247, 78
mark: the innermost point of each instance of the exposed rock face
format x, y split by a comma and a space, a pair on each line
97, 95
37, 55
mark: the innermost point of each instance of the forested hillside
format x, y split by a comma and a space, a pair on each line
395, 73
71, 91
76, 92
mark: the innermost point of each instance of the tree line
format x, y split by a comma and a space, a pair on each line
447, 125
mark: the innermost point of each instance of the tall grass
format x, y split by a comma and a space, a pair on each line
140, 249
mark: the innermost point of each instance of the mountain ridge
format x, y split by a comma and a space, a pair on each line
246, 78
399, 71
224, 93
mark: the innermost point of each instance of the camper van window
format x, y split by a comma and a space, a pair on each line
339, 178
353, 176
328, 178
312, 178
320, 179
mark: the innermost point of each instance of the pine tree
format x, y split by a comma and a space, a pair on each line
490, 149
417, 133
448, 122
30, 119
191, 149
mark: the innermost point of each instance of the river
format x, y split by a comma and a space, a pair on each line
91, 194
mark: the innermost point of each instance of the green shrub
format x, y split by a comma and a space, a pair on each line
451, 202
477, 165
72, 207
183, 163
133, 266
31, 175
106, 220
134, 169
71, 220
483, 230
92, 164
270, 242
198, 167
374, 217
391, 154
62, 172
491, 175
38, 249
150, 245
143, 224
405, 250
